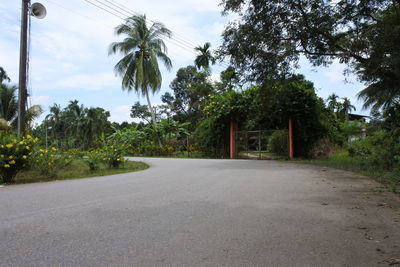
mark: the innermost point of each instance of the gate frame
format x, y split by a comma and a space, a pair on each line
233, 145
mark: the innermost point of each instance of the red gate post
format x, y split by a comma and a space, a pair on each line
232, 141
236, 140
290, 139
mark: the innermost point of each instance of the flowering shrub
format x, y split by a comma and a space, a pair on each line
113, 155
93, 159
49, 161
14, 155
76, 153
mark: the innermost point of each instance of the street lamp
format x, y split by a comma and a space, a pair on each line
39, 11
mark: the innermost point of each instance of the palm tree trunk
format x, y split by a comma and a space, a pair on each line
153, 117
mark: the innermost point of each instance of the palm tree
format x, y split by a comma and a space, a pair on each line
347, 107
9, 107
3, 75
8, 102
32, 113
379, 95
75, 119
142, 48
204, 57
333, 103
53, 119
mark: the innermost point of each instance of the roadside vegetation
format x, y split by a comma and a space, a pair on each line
260, 90
76, 169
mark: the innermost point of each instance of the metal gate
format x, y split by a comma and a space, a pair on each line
257, 145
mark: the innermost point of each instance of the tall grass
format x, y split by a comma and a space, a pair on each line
342, 160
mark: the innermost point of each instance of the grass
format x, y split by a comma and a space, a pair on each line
78, 169
342, 160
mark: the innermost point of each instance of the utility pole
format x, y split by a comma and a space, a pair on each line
22, 91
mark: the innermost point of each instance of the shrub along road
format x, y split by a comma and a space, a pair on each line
190, 212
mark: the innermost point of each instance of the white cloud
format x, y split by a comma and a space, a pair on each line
92, 82
215, 77
42, 100
335, 72
121, 113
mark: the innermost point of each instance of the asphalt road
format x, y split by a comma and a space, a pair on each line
187, 212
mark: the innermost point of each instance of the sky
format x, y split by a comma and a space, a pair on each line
69, 51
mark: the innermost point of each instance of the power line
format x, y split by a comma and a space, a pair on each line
107, 25
126, 14
116, 7
79, 14
177, 36
122, 13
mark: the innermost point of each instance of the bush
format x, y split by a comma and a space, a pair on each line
278, 142
14, 155
76, 153
324, 148
113, 155
93, 159
49, 161
381, 149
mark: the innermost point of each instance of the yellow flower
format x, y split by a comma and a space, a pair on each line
54, 149
24, 157
22, 142
12, 162
11, 157
6, 166
27, 147
29, 137
9, 145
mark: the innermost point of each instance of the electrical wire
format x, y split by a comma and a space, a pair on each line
78, 13
176, 35
122, 14
125, 13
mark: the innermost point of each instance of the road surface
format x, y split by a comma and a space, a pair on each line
190, 212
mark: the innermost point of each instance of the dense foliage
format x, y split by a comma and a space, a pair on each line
75, 126
362, 34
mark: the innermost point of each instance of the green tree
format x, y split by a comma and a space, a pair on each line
270, 37
229, 79
276, 33
53, 122
8, 102
204, 57
141, 49
382, 71
346, 108
333, 103
191, 89
140, 112
4, 76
